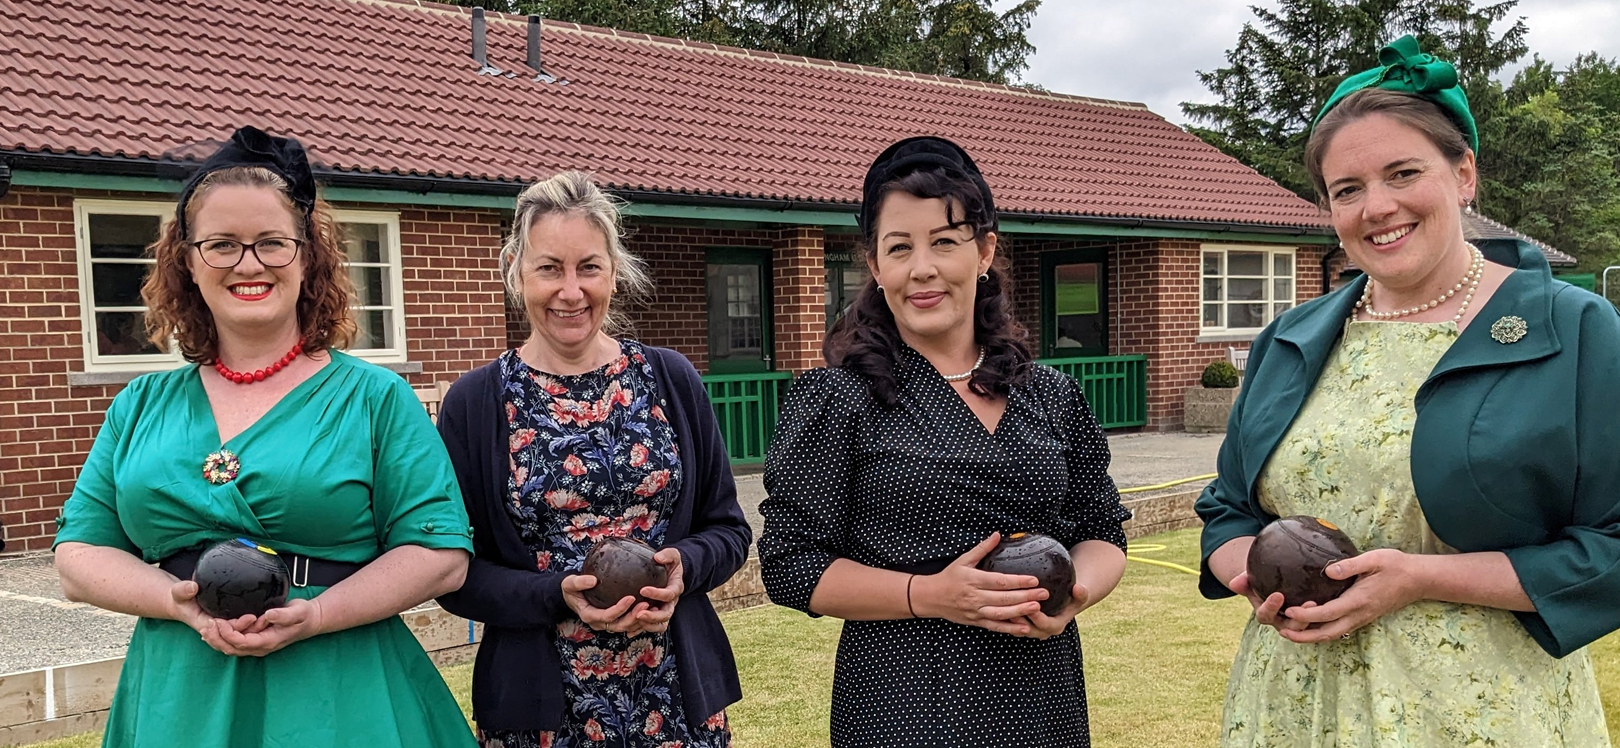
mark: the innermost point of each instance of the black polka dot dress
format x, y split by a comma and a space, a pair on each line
912, 488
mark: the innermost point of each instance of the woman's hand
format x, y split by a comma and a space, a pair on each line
656, 619
1043, 626
621, 618
964, 594
1268, 611
257, 636
1389, 581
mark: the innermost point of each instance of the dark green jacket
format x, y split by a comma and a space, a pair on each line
1516, 447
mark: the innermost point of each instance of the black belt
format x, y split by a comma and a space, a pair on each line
305, 571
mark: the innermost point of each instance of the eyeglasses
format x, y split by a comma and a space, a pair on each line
274, 252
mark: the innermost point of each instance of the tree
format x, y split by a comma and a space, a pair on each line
1281, 71
959, 38
1556, 173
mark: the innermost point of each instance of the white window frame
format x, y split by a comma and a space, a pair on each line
96, 363
395, 268
1271, 252
93, 361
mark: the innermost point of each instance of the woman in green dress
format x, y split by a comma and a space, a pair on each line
1447, 412
271, 435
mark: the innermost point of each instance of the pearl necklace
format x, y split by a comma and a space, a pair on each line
1476, 271
969, 372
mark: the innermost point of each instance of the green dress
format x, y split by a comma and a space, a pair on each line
344, 468
1433, 673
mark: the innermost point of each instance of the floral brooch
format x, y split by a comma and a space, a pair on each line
221, 467
1509, 330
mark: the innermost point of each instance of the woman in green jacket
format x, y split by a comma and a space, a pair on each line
1454, 413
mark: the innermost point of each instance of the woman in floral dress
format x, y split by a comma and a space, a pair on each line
570, 439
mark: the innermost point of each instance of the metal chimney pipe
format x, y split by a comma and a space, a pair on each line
479, 54
534, 44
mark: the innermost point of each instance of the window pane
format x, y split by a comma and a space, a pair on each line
363, 242
118, 284
1241, 316
1279, 308
114, 236
376, 329
1212, 263
1212, 289
1246, 289
1282, 265
1212, 315
370, 286
1246, 263
122, 334
1282, 289
736, 329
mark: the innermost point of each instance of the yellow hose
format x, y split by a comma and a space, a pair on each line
1150, 548
1139, 489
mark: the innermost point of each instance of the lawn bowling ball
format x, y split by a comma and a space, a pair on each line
240, 577
1289, 556
622, 566
1038, 556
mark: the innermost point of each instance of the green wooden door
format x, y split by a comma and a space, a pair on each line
739, 310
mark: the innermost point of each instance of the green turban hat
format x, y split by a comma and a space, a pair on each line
1406, 68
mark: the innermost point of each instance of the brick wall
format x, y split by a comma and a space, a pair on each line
45, 427
452, 318
799, 278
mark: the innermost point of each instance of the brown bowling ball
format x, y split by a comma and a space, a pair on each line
1038, 556
1289, 556
622, 566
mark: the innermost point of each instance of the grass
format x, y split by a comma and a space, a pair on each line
1157, 656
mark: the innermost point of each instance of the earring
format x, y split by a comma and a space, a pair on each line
880, 286
984, 277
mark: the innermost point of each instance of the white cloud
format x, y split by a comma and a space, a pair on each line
1149, 50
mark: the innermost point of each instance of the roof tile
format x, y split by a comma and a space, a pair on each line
377, 86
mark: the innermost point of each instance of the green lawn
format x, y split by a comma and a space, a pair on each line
1156, 652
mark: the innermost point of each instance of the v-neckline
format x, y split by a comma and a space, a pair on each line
206, 407
974, 416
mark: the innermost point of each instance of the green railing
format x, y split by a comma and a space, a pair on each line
746, 406
1116, 387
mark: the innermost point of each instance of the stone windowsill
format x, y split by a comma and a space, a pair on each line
103, 378
1227, 337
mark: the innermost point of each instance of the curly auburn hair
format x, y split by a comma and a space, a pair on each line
175, 307
866, 341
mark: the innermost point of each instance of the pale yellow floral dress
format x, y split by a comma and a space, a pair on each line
1433, 674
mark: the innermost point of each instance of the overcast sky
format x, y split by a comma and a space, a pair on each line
1149, 50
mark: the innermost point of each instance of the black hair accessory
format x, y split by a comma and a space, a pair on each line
913, 154
250, 146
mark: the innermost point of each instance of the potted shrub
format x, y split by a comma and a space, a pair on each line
1208, 405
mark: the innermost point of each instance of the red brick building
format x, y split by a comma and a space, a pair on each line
1140, 253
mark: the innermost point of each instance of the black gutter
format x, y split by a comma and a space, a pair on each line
93, 164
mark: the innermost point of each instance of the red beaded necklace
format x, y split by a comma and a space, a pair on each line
249, 377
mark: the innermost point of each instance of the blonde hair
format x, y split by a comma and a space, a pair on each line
574, 193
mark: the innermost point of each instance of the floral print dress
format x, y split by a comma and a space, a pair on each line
593, 457
1433, 673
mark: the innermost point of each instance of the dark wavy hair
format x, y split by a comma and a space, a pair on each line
866, 341
175, 306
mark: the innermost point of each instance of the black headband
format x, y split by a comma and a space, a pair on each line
252, 147
913, 154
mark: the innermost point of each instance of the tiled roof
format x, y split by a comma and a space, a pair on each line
1476, 227
382, 87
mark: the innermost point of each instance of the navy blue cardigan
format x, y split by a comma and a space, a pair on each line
517, 679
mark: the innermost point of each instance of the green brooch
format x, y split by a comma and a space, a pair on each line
1509, 330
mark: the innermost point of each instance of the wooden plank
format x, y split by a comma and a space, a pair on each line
35, 732
87, 686
22, 697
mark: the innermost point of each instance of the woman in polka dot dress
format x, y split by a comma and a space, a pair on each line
895, 470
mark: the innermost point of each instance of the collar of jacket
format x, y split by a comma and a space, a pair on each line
1313, 329
1526, 294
